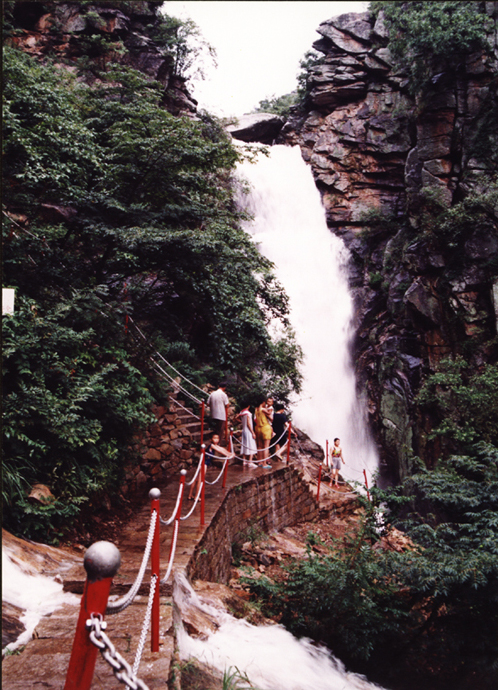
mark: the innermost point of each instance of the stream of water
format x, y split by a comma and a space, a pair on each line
290, 229
37, 595
268, 655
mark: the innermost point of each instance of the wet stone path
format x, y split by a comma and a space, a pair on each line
44, 661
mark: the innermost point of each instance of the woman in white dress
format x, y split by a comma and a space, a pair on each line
249, 447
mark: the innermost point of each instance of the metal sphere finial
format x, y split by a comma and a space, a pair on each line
184, 472
154, 493
101, 560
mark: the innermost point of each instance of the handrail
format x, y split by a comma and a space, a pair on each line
80, 671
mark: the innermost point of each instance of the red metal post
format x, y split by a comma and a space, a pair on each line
366, 484
288, 441
101, 562
319, 482
327, 453
226, 426
154, 495
203, 411
183, 474
203, 483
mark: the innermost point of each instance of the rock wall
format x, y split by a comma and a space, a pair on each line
269, 502
98, 34
167, 447
378, 155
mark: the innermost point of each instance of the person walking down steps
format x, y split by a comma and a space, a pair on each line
218, 408
336, 458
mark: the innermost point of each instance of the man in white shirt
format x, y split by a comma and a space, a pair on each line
218, 406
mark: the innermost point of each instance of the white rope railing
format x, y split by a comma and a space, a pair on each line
146, 624
175, 509
196, 499
175, 383
172, 553
220, 474
120, 604
199, 465
191, 383
192, 414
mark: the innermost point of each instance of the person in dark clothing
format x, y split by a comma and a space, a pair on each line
280, 424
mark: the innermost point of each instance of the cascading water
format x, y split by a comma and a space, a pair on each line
270, 656
35, 594
311, 263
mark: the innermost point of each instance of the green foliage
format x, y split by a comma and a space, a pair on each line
430, 611
72, 402
233, 679
465, 402
311, 58
280, 105
431, 37
115, 207
185, 43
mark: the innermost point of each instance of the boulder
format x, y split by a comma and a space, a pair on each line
421, 297
40, 494
341, 40
257, 127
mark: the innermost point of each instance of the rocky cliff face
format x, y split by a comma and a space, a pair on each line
380, 158
83, 35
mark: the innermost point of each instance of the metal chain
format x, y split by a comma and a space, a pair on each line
145, 627
120, 604
120, 667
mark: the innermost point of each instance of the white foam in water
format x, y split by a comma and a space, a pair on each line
36, 594
310, 261
271, 657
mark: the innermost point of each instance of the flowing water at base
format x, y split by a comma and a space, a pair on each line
311, 263
271, 657
36, 594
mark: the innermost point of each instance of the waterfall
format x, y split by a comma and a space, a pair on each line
290, 229
271, 657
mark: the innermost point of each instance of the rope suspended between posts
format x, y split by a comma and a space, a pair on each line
146, 624
191, 383
120, 604
175, 383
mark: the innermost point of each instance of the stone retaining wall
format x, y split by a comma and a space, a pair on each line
269, 502
167, 446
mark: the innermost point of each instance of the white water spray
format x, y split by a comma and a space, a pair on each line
36, 594
271, 657
311, 263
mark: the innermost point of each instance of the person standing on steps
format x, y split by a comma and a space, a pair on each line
280, 424
213, 450
218, 409
264, 431
248, 441
336, 457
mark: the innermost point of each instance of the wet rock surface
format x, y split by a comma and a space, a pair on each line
377, 153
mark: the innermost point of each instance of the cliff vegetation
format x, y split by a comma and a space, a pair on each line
117, 207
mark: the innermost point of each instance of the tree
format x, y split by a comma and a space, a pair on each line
114, 206
427, 38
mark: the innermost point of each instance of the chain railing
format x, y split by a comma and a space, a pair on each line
120, 667
102, 561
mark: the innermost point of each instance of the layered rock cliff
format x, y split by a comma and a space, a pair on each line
385, 162
88, 37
